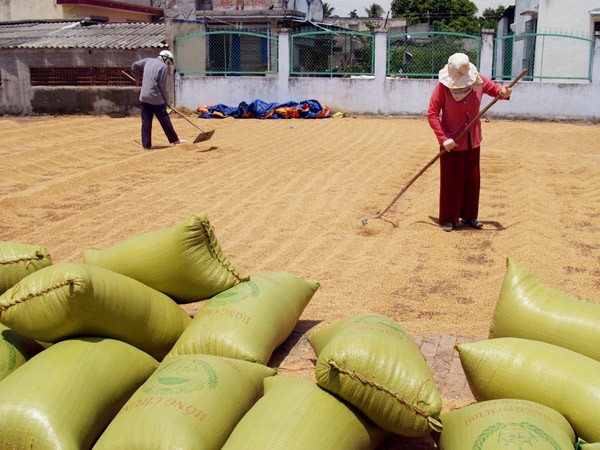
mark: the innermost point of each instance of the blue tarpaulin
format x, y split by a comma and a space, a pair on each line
259, 109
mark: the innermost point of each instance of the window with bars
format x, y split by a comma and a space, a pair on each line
79, 76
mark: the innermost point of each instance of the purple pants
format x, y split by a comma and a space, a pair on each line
459, 185
160, 111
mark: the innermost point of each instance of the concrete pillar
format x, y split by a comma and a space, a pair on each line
596, 65
486, 57
380, 69
283, 57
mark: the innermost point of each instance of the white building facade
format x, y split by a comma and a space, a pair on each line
536, 34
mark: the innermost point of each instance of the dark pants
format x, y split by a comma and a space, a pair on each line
160, 111
459, 185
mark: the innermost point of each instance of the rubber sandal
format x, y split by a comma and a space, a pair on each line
473, 223
448, 226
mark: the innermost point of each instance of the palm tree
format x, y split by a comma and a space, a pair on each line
327, 10
353, 14
374, 11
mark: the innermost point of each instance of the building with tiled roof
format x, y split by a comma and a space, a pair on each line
72, 66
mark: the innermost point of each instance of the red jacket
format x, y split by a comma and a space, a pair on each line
457, 114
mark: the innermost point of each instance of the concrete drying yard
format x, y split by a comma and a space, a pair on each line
300, 196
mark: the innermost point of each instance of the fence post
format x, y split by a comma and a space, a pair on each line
596, 66
380, 69
486, 61
283, 64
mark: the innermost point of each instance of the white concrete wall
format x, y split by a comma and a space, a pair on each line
12, 10
28, 10
388, 96
572, 18
113, 15
555, 17
563, 17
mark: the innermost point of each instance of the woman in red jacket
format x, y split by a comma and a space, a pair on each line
457, 97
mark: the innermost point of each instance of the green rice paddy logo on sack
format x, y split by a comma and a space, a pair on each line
514, 436
235, 294
181, 376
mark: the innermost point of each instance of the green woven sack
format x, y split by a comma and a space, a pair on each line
250, 320
529, 309
373, 364
15, 350
65, 396
19, 260
191, 402
505, 424
67, 300
295, 414
559, 378
184, 261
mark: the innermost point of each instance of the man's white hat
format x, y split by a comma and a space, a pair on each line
167, 56
459, 73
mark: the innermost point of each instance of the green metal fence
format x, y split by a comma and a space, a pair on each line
423, 54
226, 52
332, 53
551, 57
555, 57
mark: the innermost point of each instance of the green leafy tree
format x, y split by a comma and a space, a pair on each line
459, 25
489, 19
353, 14
447, 15
327, 10
374, 11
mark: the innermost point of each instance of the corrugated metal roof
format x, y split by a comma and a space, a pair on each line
76, 35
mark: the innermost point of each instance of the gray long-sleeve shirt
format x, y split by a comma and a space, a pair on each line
154, 83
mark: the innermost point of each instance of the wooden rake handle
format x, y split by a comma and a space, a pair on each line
438, 155
128, 76
184, 117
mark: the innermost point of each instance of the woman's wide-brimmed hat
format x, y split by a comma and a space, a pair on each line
459, 73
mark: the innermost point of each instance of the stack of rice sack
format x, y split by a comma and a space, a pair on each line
372, 381
544, 348
62, 396
111, 320
241, 326
214, 372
